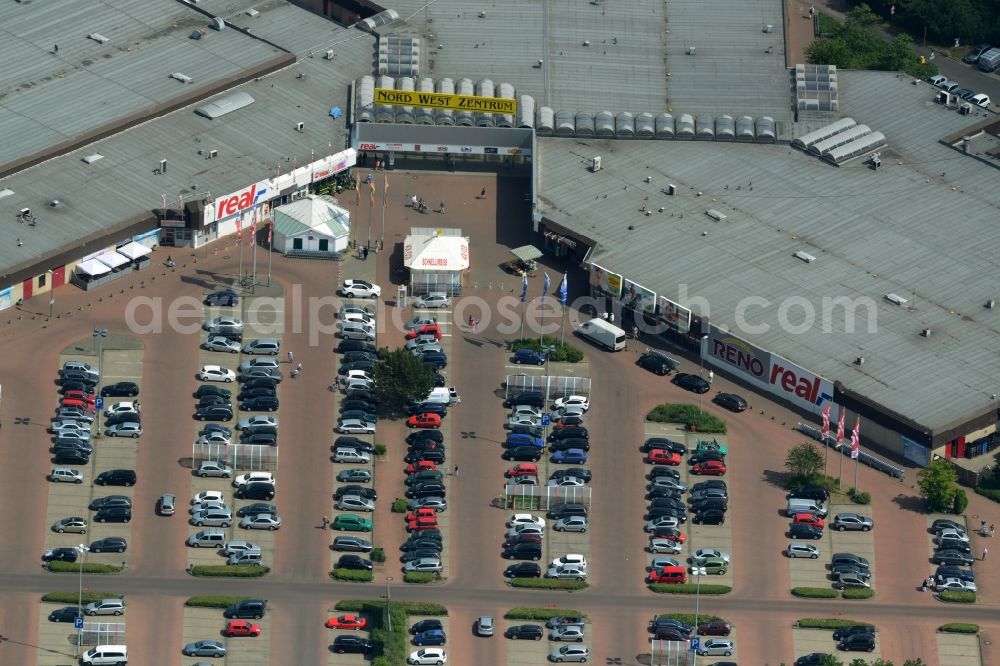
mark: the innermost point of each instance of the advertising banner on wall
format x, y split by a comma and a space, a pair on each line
675, 314
605, 282
448, 149
5, 298
798, 386
638, 298
735, 355
915, 451
241, 201
446, 101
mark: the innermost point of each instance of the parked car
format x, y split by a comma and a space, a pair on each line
716, 646
225, 297
692, 383
360, 289
731, 401
800, 549
574, 653
852, 521
532, 632
658, 362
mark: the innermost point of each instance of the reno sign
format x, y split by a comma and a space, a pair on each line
774, 374
244, 200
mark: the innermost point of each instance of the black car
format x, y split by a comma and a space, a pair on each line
433, 435
569, 443
661, 491
426, 625
206, 400
523, 551
346, 643
428, 408
692, 382
354, 562
708, 454
255, 392
525, 632
70, 457
73, 445
709, 517
215, 427
352, 404
366, 366
78, 376
713, 503
420, 543
209, 389
109, 545
812, 659
110, 501
261, 382
123, 417
668, 511
255, 509
709, 483
353, 356
351, 442
427, 489
61, 555
434, 360
662, 470
74, 385
523, 570
351, 543
114, 514
214, 413
523, 454
661, 623
263, 439
569, 509
945, 524
810, 492
658, 362
730, 401
65, 614
421, 553
253, 431
120, 390
116, 477
675, 502
356, 345
532, 431
260, 404
576, 472
863, 642
256, 491
224, 297
424, 446
435, 456
954, 544
843, 632
532, 398
849, 569
663, 443
577, 432
670, 634
368, 493
803, 531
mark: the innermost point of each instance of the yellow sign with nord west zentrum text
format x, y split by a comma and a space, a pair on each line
443, 101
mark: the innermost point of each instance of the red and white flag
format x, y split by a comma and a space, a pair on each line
854, 437
239, 231
270, 233
840, 426
253, 228
826, 421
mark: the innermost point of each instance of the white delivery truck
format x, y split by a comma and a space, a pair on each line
603, 333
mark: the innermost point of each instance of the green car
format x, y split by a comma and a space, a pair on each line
711, 445
712, 565
348, 522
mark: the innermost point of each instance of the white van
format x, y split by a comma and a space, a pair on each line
805, 506
603, 333
106, 655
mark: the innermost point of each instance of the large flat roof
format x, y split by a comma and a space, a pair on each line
923, 226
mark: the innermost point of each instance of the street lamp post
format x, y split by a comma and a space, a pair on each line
83, 550
388, 597
52, 294
99, 335
701, 369
697, 572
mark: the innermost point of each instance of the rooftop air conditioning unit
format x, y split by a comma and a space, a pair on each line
183, 78
805, 256
595, 164
330, 55
715, 215
100, 39
895, 299
218, 23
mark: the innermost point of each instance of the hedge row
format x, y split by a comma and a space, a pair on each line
409, 607
352, 575
815, 592
690, 619
687, 414
226, 571
540, 613
689, 588
957, 597
858, 593
825, 623
959, 628
88, 567
549, 584
73, 597
210, 601
419, 577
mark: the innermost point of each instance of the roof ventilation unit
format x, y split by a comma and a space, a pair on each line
183, 78
805, 256
90, 159
595, 164
926, 332
990, 304
895, 299
252, 13
218, 23
715, 215
100, 39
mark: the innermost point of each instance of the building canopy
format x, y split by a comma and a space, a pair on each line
436, 253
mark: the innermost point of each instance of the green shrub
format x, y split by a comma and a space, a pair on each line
73, 597
828, 482
210, 601
859, 497
419, 577
399, 505
226, 571
960, 503
689, 588
959, 628
563, 353
409, 607
858, 593
957, 597
687, 414
391, 649
689, 618
815, 592
89, 567
825, 623
352, 575
380, 450
540, 613
989, 493
378, 555
548, 584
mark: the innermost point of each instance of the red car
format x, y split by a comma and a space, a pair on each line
354, 622
663, 457
714, 629
709, 468
808, 519
426, 329
420, 466
670, 534
522, 469
80, 395
421, 513
79, 404
241, 628
424, 421
421, 524
668, 575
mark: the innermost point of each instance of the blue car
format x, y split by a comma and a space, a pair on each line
518, 439
224, 297
570, 456
430, 637
952, 571
529, 356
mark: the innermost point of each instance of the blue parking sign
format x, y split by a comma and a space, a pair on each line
99, 403
78, 623
546, 420
695, 644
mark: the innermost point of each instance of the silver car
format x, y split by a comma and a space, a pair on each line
65, 475
233, 547
130, 429
213, 518
230, 323
222, 344
435, 299
427, 349
852, 521
567, 632
799, 549
74, 433
354, 503
421, 341
578, 653
262, 521
212, 468
424, 564
717, 647
572, 524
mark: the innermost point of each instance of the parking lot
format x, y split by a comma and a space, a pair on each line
807, 641
805, 572
208, 624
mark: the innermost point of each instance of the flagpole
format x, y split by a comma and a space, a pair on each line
562, 331
840, 474
855, 473
385, 201
253, 249
239, 243
270, 248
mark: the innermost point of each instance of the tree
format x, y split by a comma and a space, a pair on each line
862, 16
804, 460
914, 662
938, 483
400, 378
960, 503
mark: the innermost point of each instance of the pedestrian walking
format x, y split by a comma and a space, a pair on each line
456, 473
611, 317
482, 195
635, 332
472, 322
441, 210
298, 368
326, 522
605, 315
291, 357
985, 553
711, 376
413, 201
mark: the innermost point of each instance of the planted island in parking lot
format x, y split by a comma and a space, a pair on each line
563, 353
689, 415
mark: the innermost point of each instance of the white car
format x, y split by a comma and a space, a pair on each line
956, 584
215, 437
525, 519
132, 430
355, 427
570, 558
207, 496
355, 309
216, 373
937, 80
703, 553
357, 318
526, 410
567, 632
952, 534
220, 344
428, 655
70, 433
223, 322
421, 320
578, 653
518, 530
354, 503
568, 410
567, 572
566, 482
122, 408
530, 421
658, 545
435, 299
572, 400
208, 505
253, 477
260, 420
799, 549
262, 521
65, 475
982, 99
571, 524
64, 425
360, 289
